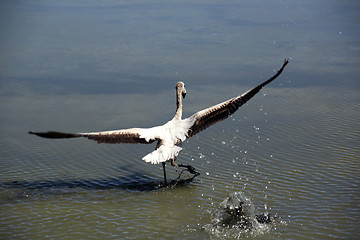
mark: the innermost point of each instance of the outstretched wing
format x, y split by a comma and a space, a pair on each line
207, 117
132, 135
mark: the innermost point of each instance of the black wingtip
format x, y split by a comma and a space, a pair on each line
52, 134
286, 61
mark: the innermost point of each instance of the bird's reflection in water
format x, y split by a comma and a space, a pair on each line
136, 181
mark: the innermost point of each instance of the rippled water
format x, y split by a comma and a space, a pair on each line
79, 66
293, 159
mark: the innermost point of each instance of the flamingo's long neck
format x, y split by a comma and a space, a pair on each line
178, 113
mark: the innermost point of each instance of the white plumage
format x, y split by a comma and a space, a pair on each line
170, 135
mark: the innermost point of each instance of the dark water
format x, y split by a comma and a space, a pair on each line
75, 66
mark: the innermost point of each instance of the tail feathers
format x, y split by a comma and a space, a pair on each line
162, 154
53, 134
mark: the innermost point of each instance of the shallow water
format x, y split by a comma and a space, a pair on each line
306, 174
293, 149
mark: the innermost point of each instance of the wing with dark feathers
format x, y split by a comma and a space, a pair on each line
131, 135
53, 134
207, 117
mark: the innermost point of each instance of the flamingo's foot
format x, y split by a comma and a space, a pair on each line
190, 169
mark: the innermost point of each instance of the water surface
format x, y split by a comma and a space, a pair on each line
75, 66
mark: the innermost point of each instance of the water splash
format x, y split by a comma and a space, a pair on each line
236, 217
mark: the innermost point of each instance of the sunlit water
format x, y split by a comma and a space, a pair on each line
79, 66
